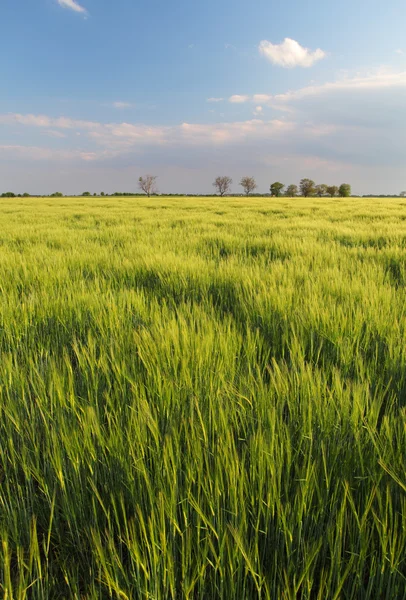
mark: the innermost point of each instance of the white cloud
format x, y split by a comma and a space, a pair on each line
382, 79
223, 133
88, 156
30, 120
121, 105
215, 99
290, 54
258, 111
116, 138
399, 51
45, 121
237, 99
73, 5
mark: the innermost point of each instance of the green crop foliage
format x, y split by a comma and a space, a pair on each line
202, 398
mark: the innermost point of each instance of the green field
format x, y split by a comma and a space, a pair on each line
203, 399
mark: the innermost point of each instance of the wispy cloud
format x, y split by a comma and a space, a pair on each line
46, 121
235, 132
120, 137
380, 80
238, 99
399, 51
290, 54
73, 5
215, 99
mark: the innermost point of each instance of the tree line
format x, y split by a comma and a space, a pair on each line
306, 188
223, 184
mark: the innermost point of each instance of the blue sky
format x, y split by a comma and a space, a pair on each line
94, 93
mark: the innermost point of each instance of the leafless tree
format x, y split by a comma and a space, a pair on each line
223, 185
147, 184
249, 185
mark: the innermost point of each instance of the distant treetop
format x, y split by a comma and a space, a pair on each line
222, 183
248, 184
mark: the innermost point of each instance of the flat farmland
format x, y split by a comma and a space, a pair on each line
203, 398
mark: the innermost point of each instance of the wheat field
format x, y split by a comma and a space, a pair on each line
203, 398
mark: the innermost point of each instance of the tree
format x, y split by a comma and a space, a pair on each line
101, 193
57, 195
223, 184
321, 190
276, 188
26, 195
147, 184
86, 194
402, 194
344, 190
249, 185
8, 195
332, 190
307, 187
291, 191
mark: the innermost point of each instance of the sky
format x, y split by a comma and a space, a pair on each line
95, 93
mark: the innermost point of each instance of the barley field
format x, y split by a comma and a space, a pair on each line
203, 398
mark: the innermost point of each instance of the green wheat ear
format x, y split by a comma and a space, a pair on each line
202, 398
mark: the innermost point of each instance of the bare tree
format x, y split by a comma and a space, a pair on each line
147, 184
223, 184
249, 185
